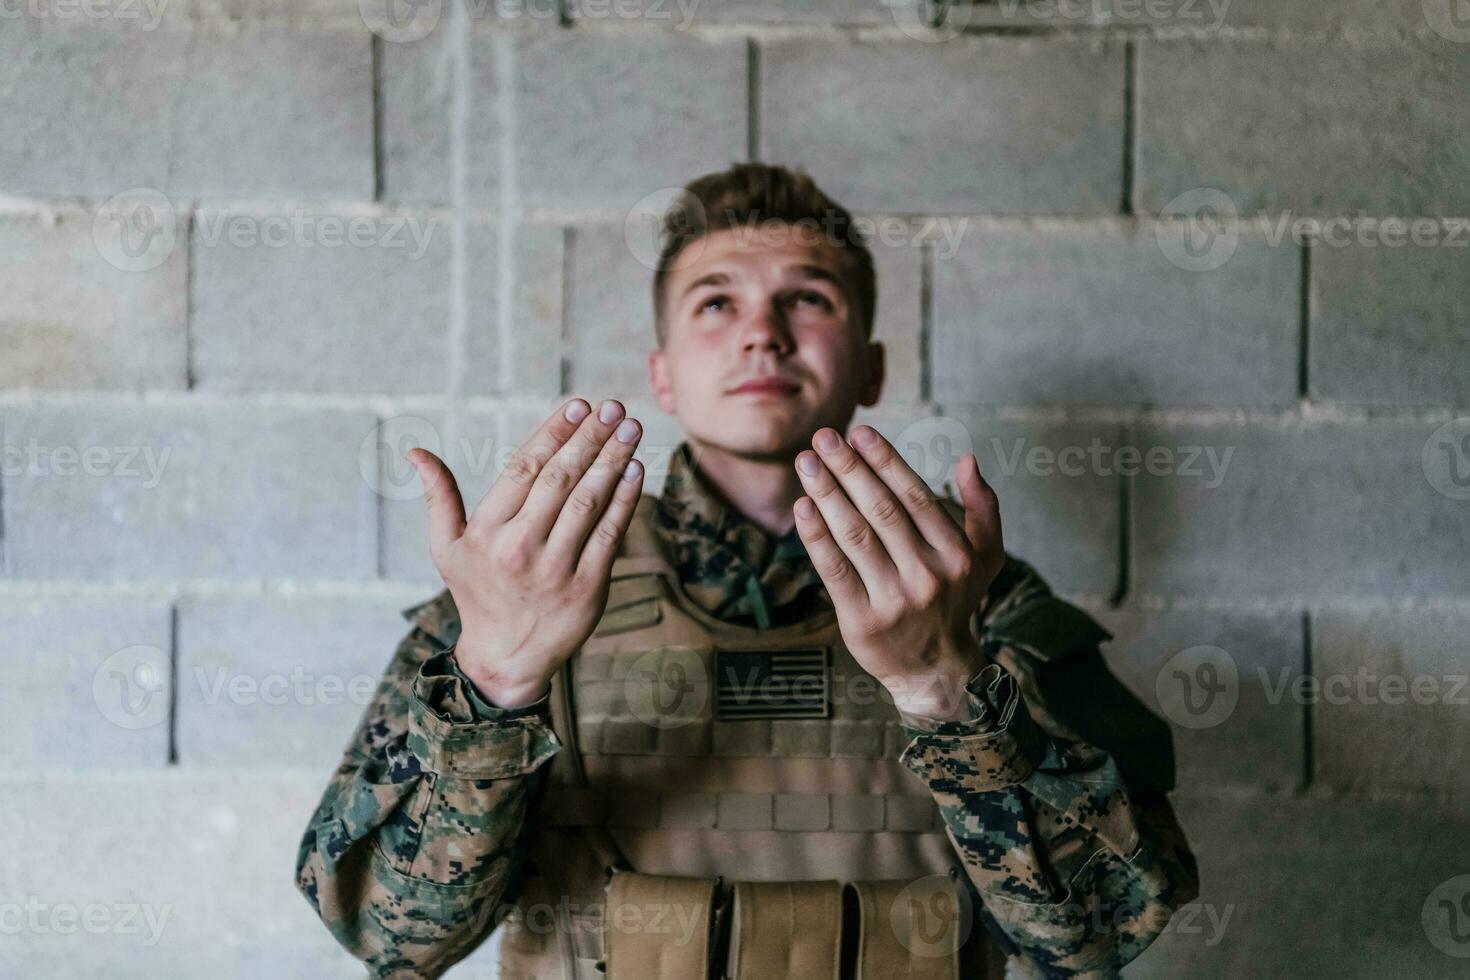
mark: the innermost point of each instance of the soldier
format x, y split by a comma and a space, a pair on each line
796, 716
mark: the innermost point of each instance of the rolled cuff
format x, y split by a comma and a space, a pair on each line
1000, 748
452, 729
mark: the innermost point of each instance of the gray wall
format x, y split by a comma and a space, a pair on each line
1187, 277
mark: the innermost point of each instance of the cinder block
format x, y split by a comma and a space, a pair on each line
990, 125
87, 685
417, 85
187, 875
746, 811
1391, 711
272, 683
680, 15
130, 490
1304, 885
98, 108
1388, 323
1057, 483
610, 326
1101, 315
617, 117
1293, 510
897, 323
75, 320
358, 300
1305, 126
1237, 720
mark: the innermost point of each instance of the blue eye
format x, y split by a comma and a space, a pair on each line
712, 300
817, 298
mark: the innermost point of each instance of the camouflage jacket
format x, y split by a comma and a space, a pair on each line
1053, 790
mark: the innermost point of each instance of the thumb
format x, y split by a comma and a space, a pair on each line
441, 496
982, 508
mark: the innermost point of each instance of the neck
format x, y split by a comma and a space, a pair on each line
763, 490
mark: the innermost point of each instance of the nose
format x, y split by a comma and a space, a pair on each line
766, 330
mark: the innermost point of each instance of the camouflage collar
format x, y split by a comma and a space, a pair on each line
734, 568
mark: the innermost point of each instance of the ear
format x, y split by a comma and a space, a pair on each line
873, 385
658, 380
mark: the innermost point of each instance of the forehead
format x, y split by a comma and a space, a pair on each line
775, 249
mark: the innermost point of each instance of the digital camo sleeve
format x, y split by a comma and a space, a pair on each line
423, 825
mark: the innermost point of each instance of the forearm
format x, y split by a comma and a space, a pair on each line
409, 854
1078, 873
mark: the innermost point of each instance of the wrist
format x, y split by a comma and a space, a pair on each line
501, 688
938, 693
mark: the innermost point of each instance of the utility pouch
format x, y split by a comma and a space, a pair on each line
786, 929
658, 926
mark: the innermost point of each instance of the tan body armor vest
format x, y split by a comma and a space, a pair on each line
697, 750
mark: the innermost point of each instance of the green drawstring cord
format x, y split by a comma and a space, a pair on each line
757, 602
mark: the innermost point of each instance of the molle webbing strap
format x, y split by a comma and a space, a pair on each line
786, 929
571, 771
658, 928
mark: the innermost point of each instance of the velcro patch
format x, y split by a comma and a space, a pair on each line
753, 684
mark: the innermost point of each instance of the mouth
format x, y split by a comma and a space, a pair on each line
766, 386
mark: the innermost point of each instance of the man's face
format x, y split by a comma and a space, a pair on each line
739, 309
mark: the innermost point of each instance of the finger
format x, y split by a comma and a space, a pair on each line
602, 545
441, 497
884, 512
565, 470
850, 529
982, 508
507, 495
843, 583
591, 495
925, 512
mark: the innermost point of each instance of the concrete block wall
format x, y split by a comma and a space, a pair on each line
1192, 278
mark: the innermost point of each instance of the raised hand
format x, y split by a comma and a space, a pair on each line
903, 575
529, 570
